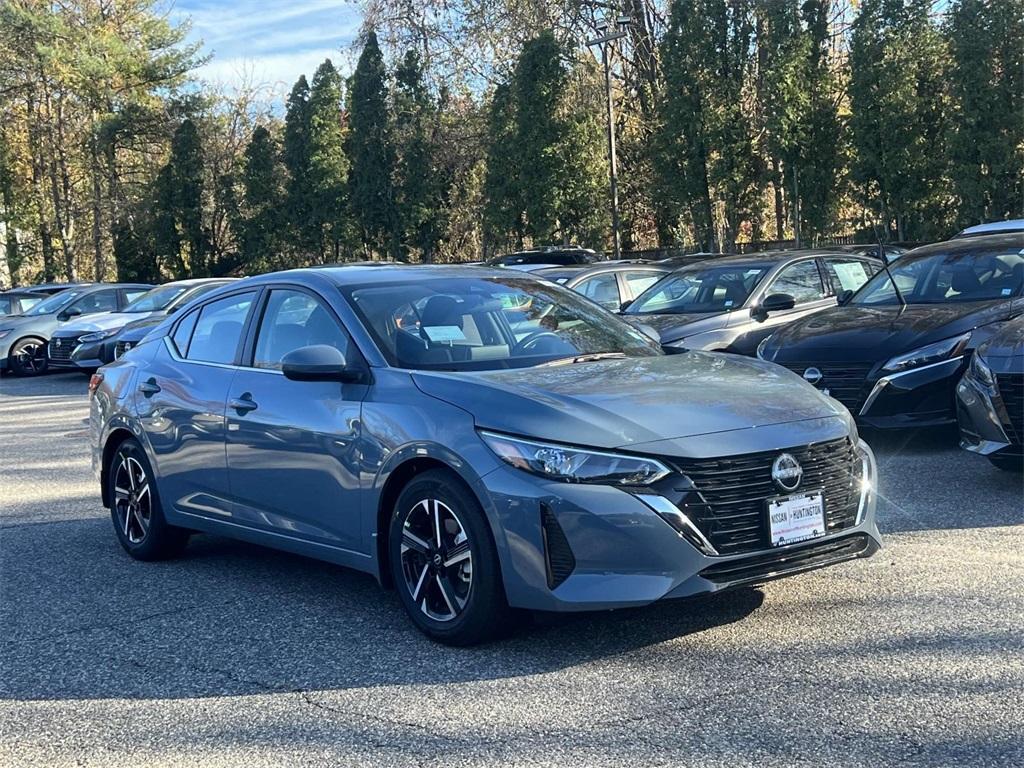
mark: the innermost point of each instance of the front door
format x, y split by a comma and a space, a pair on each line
801, 280
292, 445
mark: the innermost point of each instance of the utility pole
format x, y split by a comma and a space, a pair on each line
611, 30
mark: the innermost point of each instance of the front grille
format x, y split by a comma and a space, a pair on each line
845, 382
783, 562
60, 348
733, 492
557, 552
120, 348
1011, 391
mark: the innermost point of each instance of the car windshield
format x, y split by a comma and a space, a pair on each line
156, 299
489, 323
700, 288
54, 303
987, 274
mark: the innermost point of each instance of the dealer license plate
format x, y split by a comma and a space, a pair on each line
796, 518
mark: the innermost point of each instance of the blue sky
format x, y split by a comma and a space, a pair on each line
275, 41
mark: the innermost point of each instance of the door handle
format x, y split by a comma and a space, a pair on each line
149, 388
243, 404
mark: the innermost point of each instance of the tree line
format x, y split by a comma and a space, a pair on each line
459, 134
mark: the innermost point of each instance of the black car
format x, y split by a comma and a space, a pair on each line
48, 289
18, 301
549, 255
990, 399
610, 284
730, 303
894, 351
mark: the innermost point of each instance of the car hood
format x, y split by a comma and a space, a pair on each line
138, 329
871, 333
675, 327
1008, 341
101, 321
616, 403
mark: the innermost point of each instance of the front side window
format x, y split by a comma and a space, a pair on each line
218, 329
489, 323
101, 301
294, 319
604, 289
987, 274
802, 281
699, 289
849, 274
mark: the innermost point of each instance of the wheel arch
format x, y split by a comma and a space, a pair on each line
28, 336
401, 470
117, 436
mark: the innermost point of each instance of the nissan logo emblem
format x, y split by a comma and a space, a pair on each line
787, 472
812, 375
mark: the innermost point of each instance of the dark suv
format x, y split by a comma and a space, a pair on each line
548, 256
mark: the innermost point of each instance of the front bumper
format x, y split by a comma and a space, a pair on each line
980, 414
577, 547
93, 355
919, 397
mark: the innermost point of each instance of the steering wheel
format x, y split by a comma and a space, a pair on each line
524, 344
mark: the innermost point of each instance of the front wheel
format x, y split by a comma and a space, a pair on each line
135, 507
28, 358
444, 563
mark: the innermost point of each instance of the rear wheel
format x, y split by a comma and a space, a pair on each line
28, 357
444, 563
135, 507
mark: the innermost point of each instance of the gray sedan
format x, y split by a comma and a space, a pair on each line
480, 440
24, 338
611, 284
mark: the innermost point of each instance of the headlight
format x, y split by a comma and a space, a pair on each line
982, 372
5, 332
761, 348
574, 465
940, 350
89, 338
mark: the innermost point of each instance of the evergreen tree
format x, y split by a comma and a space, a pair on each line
328, 164
260, 221
372, 153
986, 82
298, 213
422, 182
898, 114
181, 241
503, 190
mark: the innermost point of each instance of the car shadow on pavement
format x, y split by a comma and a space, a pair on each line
84, 621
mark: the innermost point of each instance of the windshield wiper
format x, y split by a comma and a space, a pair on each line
584, 359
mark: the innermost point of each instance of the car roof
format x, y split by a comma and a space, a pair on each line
52, 288
760, 259
380, 273
957, 245
1009, 225
19, 293
573, 270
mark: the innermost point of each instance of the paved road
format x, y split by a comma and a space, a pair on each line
237, 655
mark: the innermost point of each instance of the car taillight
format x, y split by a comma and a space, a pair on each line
94, 383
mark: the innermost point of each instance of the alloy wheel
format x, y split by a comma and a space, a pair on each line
437, 560
132, 499
32, 357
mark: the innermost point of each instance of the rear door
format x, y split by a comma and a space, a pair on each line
181, 396
292, 446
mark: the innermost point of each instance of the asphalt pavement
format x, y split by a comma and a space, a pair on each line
237, 655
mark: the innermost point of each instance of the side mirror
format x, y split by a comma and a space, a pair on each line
318, 362
844, 297
625, 305
68, 313
776, 302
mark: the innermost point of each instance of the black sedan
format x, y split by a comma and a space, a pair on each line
894, 351
990, 399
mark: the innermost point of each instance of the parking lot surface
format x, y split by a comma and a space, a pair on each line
238, 655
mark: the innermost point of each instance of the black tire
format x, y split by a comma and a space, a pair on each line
28, 357
479, 614
1007, 462
144, 533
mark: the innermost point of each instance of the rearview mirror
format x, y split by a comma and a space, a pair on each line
318, 362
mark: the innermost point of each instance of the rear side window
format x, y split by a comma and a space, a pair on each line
183, 332
219, 329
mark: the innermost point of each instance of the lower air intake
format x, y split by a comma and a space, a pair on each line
558, 554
